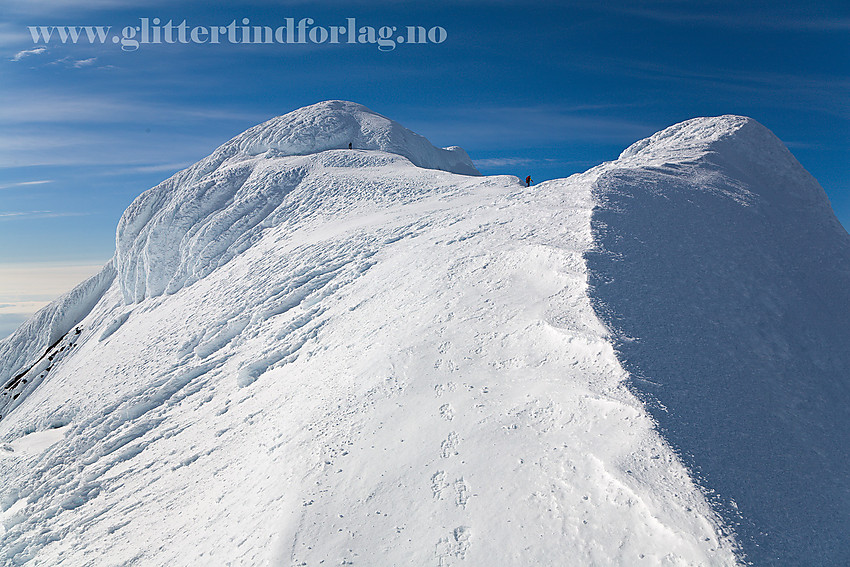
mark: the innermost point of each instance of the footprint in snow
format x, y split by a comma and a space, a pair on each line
449, 446
447, 412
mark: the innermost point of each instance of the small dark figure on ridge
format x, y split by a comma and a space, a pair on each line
528, 181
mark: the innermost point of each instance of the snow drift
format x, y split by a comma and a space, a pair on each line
306, 354
727, 277
200, 218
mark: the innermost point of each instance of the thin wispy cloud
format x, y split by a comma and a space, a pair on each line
496, 163
72, 63
25, 183
14, 35
29, 215
52, 108
649, 69
502, 162
8, 215
28, 53
64, 146
44, 128
508, 126
68, 108
720, 14
798, 91
157, 168
40, 7
84, 62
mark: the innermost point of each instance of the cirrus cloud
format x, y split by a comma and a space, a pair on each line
28, 52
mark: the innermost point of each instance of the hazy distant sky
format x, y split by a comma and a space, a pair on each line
545, 89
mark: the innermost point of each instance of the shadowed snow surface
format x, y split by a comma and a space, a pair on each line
306, 354
727, 279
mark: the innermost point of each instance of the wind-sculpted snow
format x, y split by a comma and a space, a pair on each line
727, 279
179, 232
315, 355
199, 219
691, 140
416, 377
31, 342
343, 357
334, 124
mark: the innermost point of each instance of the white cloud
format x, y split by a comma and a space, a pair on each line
40, 128
156, 168
29, 215
25, 183
35, 106
777, 18
72, 63
508, 126
84, 62
27, 52
14, 35
40, 7
9, 215
61, 145
502, 162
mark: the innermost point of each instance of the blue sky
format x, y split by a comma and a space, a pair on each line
541, 89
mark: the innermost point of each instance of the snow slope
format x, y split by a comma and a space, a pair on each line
200, 218
727, 277
31, 344
310, 355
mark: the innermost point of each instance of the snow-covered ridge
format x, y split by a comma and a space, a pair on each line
725, 278
276, 172
306, 354
737, 148
401, 367
686, 140
30, 343
333, 124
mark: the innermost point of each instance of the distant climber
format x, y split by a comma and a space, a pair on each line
349, 145
528, 181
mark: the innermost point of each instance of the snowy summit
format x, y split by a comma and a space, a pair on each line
180, 230
333, 124
305, 354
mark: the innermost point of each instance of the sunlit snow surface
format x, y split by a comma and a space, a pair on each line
339, 357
